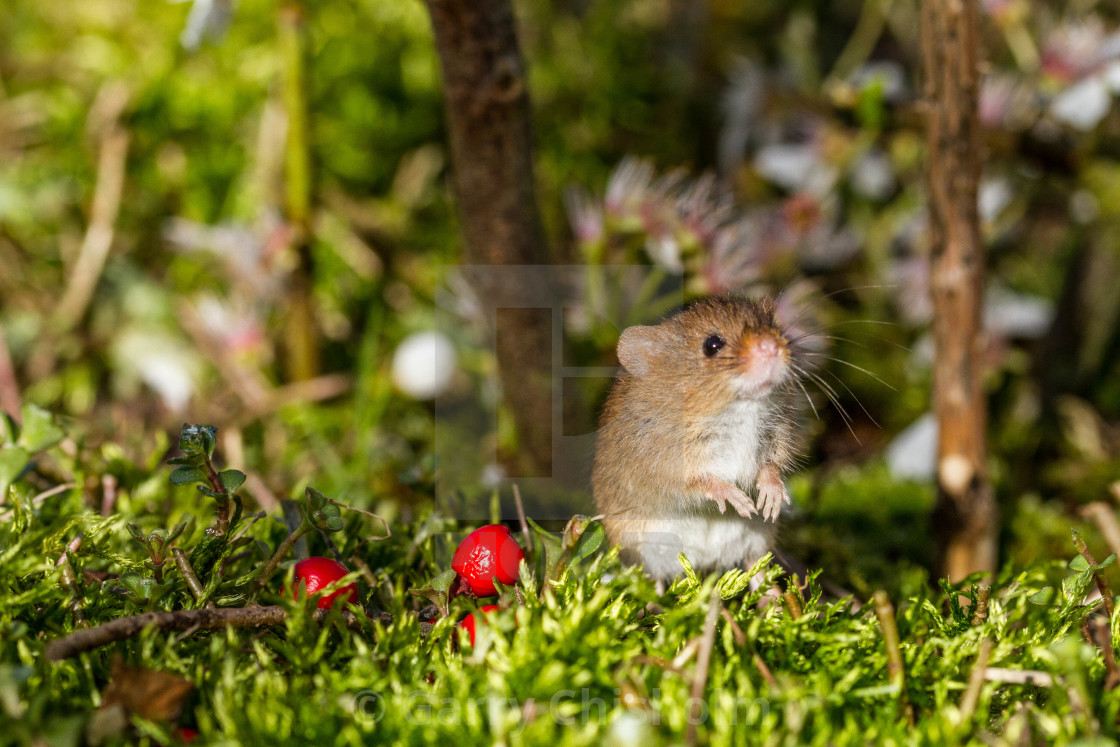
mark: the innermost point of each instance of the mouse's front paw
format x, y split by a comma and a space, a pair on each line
723, 493
772, 494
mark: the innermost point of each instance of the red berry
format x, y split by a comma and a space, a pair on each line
186, 734
316, 573
487, 554
468, 622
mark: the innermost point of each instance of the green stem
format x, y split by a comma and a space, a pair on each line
300, 332
885, 612
281, 551
221, 525
188, 574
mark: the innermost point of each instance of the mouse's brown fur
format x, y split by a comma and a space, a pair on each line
682, 434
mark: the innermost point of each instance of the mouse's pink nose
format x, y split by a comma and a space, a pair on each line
768, 347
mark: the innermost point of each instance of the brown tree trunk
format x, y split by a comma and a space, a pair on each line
965, 517
488, 125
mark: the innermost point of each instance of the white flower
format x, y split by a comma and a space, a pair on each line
1083, 105
993, 196
873, 175
165, 364
788, 165
665, 251
207, 19
1016, 315
889, 76
912, 454
423, 365
585, 215
1111, 76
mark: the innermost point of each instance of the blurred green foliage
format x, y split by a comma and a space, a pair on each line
186, 318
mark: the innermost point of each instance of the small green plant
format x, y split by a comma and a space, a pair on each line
196, 466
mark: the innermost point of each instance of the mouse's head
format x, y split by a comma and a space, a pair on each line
731, 347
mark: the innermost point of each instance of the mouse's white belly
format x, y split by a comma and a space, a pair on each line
710, 541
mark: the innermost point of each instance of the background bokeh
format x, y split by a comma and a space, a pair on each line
745, 147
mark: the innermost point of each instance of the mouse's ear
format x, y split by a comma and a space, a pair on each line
637, 348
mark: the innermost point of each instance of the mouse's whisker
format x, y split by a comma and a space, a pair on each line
830, 393
816, 332
808, 399
834, 398
853, 365
837, 338
853, 395
837, 292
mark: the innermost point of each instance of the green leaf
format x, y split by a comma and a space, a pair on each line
179, 528
232, 479
315, 499
582, 536
328, 518
1079, 563
9, 429
733, 583
13, 461
1044, 596
39, 431
136, 532
186, 475
686, 587
437, 590
198, 440
443, 581
212, 493
552, 548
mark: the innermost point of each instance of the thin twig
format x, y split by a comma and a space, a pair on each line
317, 389
70, 581
1018, 676
983, 595
281, 551
42, 497
106, 204
252, 519
257, 488
388, 531
179, 620
108, 494
10, 401
703, 660
521, 518
885, 611
331, 545
1102, 584
687, 652
736, 631
1101, 636
976, 680
792, 598
188, 575
1103, 516
301, 335
764, 670
656, 661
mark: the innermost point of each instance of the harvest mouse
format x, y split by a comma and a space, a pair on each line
702, 419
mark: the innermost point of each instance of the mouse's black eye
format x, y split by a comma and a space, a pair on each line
713, 345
